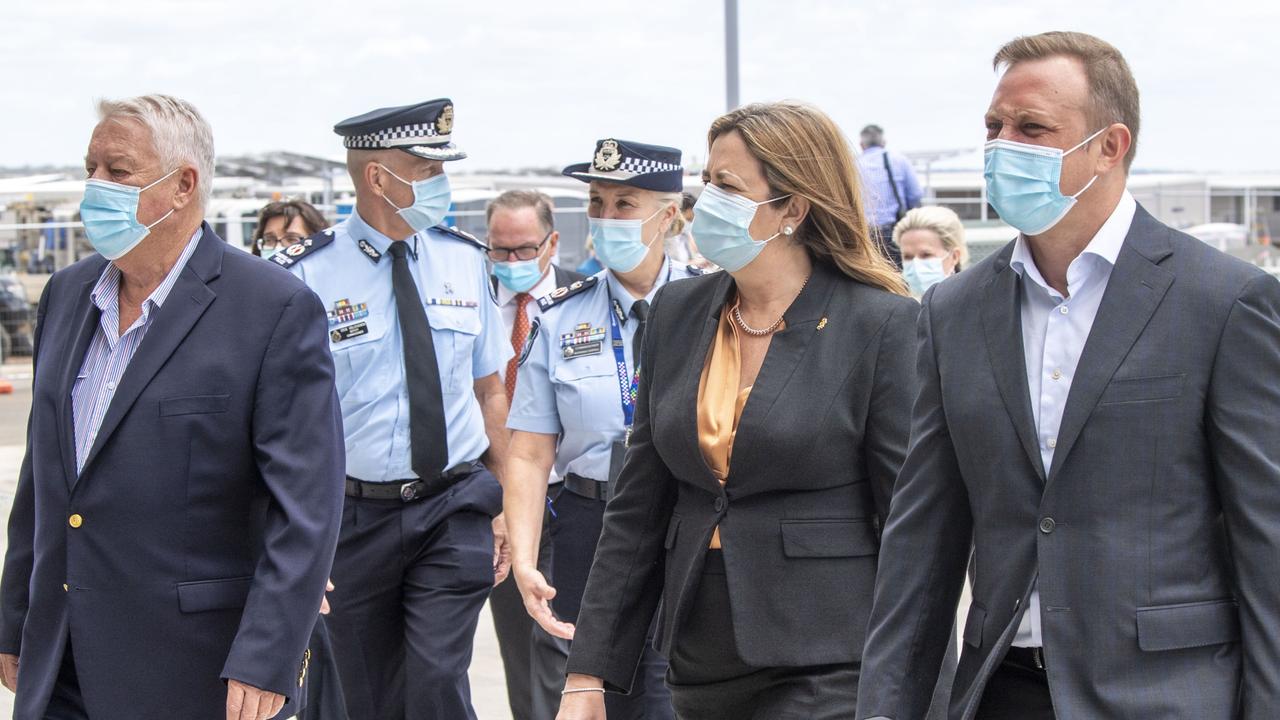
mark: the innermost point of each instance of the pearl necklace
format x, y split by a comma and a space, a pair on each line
756, 332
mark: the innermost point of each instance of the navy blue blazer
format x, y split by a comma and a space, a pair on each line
210, 501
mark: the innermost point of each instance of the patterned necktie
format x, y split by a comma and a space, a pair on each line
519, 333
428, 442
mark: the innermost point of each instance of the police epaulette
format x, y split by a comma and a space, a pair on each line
694, 270
561, 294
462, 235
295, 252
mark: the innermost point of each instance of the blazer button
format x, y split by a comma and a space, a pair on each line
719, 504
1047, 525
75, 520
65, 588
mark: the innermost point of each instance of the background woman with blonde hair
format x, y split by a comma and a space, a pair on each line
770, 425
931, 239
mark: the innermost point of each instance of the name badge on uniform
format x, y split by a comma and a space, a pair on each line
583, 341
452, 302
337, 335
344, 312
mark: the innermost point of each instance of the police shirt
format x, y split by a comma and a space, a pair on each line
569, 384
352, 276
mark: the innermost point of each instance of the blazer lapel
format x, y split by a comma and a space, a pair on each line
187, 301
703, 323
1134, 291
1002, 326
785, 352
84, 325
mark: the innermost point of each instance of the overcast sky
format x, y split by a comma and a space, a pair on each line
536, 82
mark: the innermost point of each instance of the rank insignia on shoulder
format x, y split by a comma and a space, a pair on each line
561, 294
452, 302
369, 250
300, 250
463, 235
528, 341
344, 312
337, 335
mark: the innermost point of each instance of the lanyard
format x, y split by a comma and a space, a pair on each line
628, 382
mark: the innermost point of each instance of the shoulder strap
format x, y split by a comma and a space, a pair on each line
897, 196
462, 235
299, 250
561, 294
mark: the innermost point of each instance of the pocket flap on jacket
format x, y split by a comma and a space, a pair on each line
973, 625
203, 595
1172, 627
828, 538
1140, 389
194, 404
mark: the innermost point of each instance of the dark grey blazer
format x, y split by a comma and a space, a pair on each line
818, 447
1156, 532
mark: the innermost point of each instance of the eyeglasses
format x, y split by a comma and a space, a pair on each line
524, 252
272, 242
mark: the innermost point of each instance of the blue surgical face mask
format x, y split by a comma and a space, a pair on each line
619, 244
1023, 184
922, 274
721, 227
519, 276
266, 253
110, 215
431, 198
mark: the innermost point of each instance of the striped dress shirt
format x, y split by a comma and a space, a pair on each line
110, 351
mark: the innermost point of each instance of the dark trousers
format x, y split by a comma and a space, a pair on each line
411, 579
529, 654
322, 689
884, 238
1017, 690
710, 681
66, 702
574, 531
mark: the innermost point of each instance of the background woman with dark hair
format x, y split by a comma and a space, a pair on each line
281, 224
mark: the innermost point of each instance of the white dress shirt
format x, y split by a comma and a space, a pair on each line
507, 306
1054, 332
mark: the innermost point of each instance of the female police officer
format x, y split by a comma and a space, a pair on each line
576, 394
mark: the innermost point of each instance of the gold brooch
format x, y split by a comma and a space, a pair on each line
822, 323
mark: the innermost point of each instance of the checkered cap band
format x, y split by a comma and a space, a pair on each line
640, 166
416, 134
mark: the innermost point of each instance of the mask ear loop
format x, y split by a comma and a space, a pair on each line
1084, 142
787, 231
384, 195
148, 187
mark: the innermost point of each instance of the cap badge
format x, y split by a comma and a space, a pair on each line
607, 157
444, 123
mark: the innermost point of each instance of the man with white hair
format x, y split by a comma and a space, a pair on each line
178, 505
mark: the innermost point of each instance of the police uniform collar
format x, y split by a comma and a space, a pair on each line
373, 244
620, 295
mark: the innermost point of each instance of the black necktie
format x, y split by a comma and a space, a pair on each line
640, 311
428, 444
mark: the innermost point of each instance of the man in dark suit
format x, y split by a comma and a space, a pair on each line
1094, 416
178, 506
523, 240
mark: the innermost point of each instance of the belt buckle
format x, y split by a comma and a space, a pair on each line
407, 493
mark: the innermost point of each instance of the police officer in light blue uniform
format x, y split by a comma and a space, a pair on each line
418, 346
575, 397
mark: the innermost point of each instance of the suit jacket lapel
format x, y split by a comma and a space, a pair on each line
1134, 291
702, 326
786, 350
187, 301
84, 325
1002, 326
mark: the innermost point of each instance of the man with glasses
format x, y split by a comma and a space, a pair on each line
522, 242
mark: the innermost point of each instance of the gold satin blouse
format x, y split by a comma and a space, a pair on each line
720, 402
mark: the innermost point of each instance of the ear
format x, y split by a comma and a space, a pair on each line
553, 242
374, 177
188, 187
1113, 145
669, 217
794, 210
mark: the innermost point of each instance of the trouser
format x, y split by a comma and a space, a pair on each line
322, 688
66, 703
575, 529
1017, 690
710, 681
884, 238
411, 580
527, 653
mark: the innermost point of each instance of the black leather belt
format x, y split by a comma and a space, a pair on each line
1029, 658
588, 488
410, 490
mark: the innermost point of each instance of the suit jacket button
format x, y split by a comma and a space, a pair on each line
1047, 525
65, 588
719, 504
75, 520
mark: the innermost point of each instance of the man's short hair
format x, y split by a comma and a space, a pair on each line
872, 136
1112, 89
179, 132
518, 199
